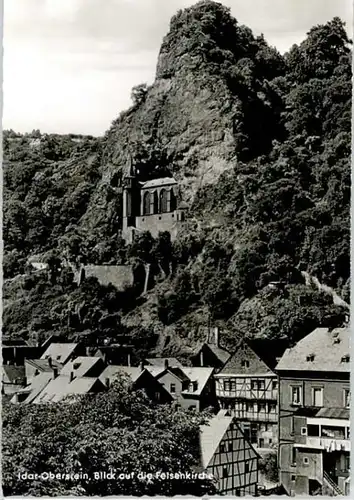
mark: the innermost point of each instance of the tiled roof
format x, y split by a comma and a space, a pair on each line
118, 276
60, 387
80, 366
172, 362
165, 181
59, 352
43, 364
245, 361
38, 383
155, 371
338, 413
201, 375
211, 435
219, 352
13, 372
112, 371
322, 350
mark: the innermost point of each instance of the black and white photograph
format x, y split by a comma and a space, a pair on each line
176, 189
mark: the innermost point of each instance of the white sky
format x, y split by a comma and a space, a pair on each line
69, 65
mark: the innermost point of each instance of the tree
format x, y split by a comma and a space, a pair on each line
139, 93
119, 430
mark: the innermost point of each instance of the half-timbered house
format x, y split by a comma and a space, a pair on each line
248, 388
229, 456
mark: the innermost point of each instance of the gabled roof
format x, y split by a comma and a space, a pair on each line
201, 375
220, 353
81, 365
165, 181
60, 387
185, 374
172, 362
38, 383
59, 352
111, 371
13, 372
211, 435
43, 364
323, 350
237, 364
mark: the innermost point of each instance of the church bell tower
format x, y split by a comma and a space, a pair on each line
129, 187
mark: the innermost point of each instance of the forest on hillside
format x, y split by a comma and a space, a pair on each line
276, 204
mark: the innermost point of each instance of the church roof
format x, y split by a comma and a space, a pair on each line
165, 181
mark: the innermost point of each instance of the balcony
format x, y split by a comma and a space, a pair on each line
254, 416
328, 444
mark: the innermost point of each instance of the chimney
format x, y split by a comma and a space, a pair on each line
216, 336
50, 362
128, 359
71, 376
107, 383
142, 366
166, 364
55, 372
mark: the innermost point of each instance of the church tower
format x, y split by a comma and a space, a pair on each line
129, 188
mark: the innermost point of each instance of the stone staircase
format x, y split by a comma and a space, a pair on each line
329, 487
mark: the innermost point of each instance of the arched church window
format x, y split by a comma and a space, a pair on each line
156, 202
163, 201
173, 201
146, 203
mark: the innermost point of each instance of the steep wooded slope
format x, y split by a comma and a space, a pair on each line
260, 145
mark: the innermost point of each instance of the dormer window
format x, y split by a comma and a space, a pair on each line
76, 366
58, 357
310, 357
345, 359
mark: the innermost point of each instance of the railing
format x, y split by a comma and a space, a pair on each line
333, 487
254, 416
329, 444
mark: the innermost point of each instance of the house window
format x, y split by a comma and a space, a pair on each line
261, 385
238, 492
306, 461
157, 396
271, 408
227, 385
293, 456
303, 431
346, 396
233, 385
345, 359
261, 407
222, 448
245, 363
225, 472
317, 396
347, 462
230, 446
296, 396
253, 385
293, 477
310, 357
274, 385
247, 467
172, 388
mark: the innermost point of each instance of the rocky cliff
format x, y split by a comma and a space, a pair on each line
260, 146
